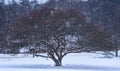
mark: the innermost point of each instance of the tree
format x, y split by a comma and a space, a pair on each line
116, 31
34, 4
51, 31
2, 16
25, 4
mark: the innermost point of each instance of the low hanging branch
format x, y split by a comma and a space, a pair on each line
38, 55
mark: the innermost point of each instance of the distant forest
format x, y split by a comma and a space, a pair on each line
92, 25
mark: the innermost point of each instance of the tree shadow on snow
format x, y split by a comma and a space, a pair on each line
73, 67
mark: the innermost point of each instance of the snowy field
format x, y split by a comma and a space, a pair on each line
72, 62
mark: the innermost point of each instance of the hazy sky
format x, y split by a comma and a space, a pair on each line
40, 1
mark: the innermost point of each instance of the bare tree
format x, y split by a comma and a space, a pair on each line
51, 31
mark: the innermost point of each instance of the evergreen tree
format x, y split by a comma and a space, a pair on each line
25, 5
35, 4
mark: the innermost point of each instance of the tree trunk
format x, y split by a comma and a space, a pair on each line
116, 52
58, 63
33, 55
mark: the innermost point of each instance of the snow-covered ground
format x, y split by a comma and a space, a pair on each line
72, 62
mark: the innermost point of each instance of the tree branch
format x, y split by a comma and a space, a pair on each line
42, 56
